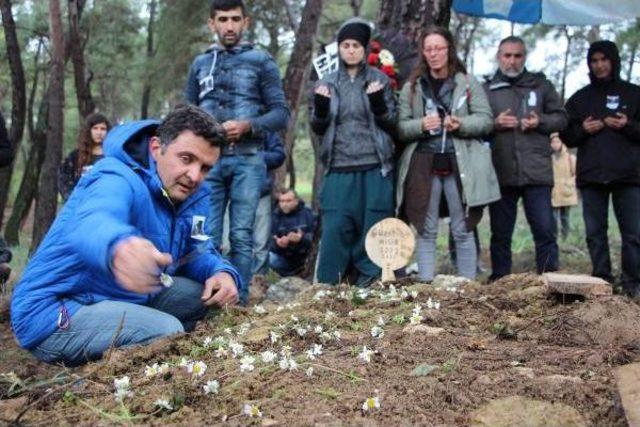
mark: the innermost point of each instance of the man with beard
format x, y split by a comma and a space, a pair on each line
240, 86
604, 123
527, 109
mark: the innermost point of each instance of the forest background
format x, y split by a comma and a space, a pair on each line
63, 59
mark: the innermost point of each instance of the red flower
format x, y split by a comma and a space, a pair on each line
388, 70
373, 59
376, 46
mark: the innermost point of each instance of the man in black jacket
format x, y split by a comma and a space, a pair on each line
605, 126
292, 226
527, 109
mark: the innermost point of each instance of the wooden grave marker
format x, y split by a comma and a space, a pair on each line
390, 244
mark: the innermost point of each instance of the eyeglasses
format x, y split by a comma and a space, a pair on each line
437, 49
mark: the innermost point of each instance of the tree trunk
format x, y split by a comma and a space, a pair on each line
47, 198
29, 183
565, 65
146, 90
297, 74
81, 76
18, 96
356, 5
411, 17
632, 60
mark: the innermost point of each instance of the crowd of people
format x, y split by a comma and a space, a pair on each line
135, 253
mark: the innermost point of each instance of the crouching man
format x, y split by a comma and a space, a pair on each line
126, 261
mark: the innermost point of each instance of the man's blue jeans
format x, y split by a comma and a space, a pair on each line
539, 213
237, 180
95, 327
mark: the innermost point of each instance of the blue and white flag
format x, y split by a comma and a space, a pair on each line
552, 12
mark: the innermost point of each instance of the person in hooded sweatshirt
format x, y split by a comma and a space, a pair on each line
526, 110
354, 113
124, 262
604, 123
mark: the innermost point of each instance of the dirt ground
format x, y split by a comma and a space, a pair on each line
504, 339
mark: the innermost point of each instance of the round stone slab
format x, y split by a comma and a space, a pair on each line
390, 244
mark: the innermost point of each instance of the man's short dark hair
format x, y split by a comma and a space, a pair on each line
189, 117
226, 5
513, 39
288, 190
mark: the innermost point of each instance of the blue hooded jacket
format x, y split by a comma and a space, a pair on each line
121, 196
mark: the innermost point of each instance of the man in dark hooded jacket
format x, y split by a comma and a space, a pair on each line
604, 123
527, 110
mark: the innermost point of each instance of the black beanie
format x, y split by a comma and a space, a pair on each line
610, 51
355, 29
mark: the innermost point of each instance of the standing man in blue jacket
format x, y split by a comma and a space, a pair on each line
125, 261
241, 87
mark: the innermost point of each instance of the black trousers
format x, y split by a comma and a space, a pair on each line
626, 206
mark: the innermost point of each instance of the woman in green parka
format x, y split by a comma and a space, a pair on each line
444, 114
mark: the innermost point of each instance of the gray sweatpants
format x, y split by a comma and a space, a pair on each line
465, 244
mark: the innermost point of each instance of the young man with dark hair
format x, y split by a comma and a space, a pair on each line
292, 228
527, 109
604, 123
241, 87
121, 264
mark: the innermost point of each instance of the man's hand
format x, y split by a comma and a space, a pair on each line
235, 129
137, 264
220, 289
531, 122
295, 236
506, 120
452, 123
592, 126
282, 242
431, 122
617, 122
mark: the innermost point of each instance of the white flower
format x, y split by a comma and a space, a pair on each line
228, 331
236, 348
244, 328
274, 337
433, 304
219, 341
246, 364
315, 350
251, 411
301, 331
163, 403
207, 342
122, 386
184, 362
318, 329
285, 351
386, 57
414, 294
351, 313
279, 309
295, 318
287, 363
259, 309
222, 352
155, 369
309, 371
372, 403
197, 369
416, 318
329, 315
380, 321
337, 335
325, 336
268, 356
377, 332
212, 386
365, 354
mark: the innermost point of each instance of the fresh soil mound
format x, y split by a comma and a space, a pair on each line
495, 341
